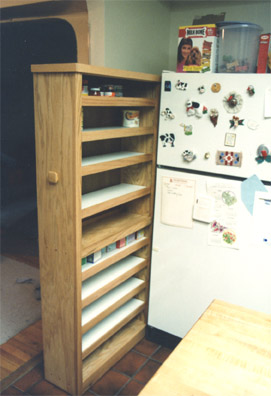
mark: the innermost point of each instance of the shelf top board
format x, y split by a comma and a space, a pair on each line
94, 70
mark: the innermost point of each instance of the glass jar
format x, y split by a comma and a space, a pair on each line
95, 92
118, 90
109, 90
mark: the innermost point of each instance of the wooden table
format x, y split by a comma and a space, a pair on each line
226, 353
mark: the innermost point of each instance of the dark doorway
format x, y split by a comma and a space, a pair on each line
22, 44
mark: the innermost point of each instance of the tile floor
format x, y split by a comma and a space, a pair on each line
127, 377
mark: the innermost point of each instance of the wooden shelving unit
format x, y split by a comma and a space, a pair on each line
95, 186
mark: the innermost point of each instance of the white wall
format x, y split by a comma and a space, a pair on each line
137, 34
142, 35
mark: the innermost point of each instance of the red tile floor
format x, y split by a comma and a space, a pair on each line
127, 377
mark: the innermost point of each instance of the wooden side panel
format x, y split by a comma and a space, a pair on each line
58, 150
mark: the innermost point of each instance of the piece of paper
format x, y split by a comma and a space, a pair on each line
178, 196
267, 103
248, 190
262, 218
204, 209
224, 229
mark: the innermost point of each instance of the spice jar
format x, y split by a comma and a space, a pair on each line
85, 87
118, 90
109, 90
95, 92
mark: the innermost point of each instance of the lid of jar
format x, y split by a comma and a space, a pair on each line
95, 89
237, 24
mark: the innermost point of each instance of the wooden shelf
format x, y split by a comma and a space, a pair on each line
110, 325
109, 197
106, 72
104, 281
102, 232
112, 101
99, 309
105, 162
95, 365
93, 134
108, 258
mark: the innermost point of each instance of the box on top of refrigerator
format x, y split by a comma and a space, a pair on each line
196, 49
264, 56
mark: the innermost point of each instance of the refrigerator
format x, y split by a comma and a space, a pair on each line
212, 216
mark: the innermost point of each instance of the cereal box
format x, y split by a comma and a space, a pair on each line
196, 49
264, 57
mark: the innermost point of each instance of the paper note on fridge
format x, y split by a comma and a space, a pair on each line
204, 209
262, 218
178, 196
267, 103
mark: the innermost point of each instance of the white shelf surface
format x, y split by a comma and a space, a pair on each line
101, 279
102, 128
109, 299
108, 193
107, 255
98, 159
99, 331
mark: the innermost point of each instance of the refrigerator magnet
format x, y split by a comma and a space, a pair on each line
195, 108
167, 114
167, 86
230, 139
216, 87
188, 156
250, 90
229, 158
181, 86
168, 139
214, 116
201, 89
235, 121
263, 154
233, 102
187, 129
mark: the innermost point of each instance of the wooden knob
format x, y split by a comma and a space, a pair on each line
53, 177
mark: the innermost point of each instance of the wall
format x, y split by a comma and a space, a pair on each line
136, 35
129, 34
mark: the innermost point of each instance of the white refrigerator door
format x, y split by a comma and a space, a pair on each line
207, 139
187, 273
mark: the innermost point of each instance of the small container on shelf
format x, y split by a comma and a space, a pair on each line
139, 234
85, 87
130, 118
111, 247
118, 90
94, 257
108, 90
130, 238
95, 92
84, 261
121, 243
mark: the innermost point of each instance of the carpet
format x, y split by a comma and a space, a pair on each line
20, 303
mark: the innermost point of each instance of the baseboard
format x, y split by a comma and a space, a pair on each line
162, 337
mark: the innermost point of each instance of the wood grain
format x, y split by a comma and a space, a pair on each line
19, 354
99, 234
226, 353
58, 148
95, 70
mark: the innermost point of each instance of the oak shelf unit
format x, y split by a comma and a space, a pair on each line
95, 186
